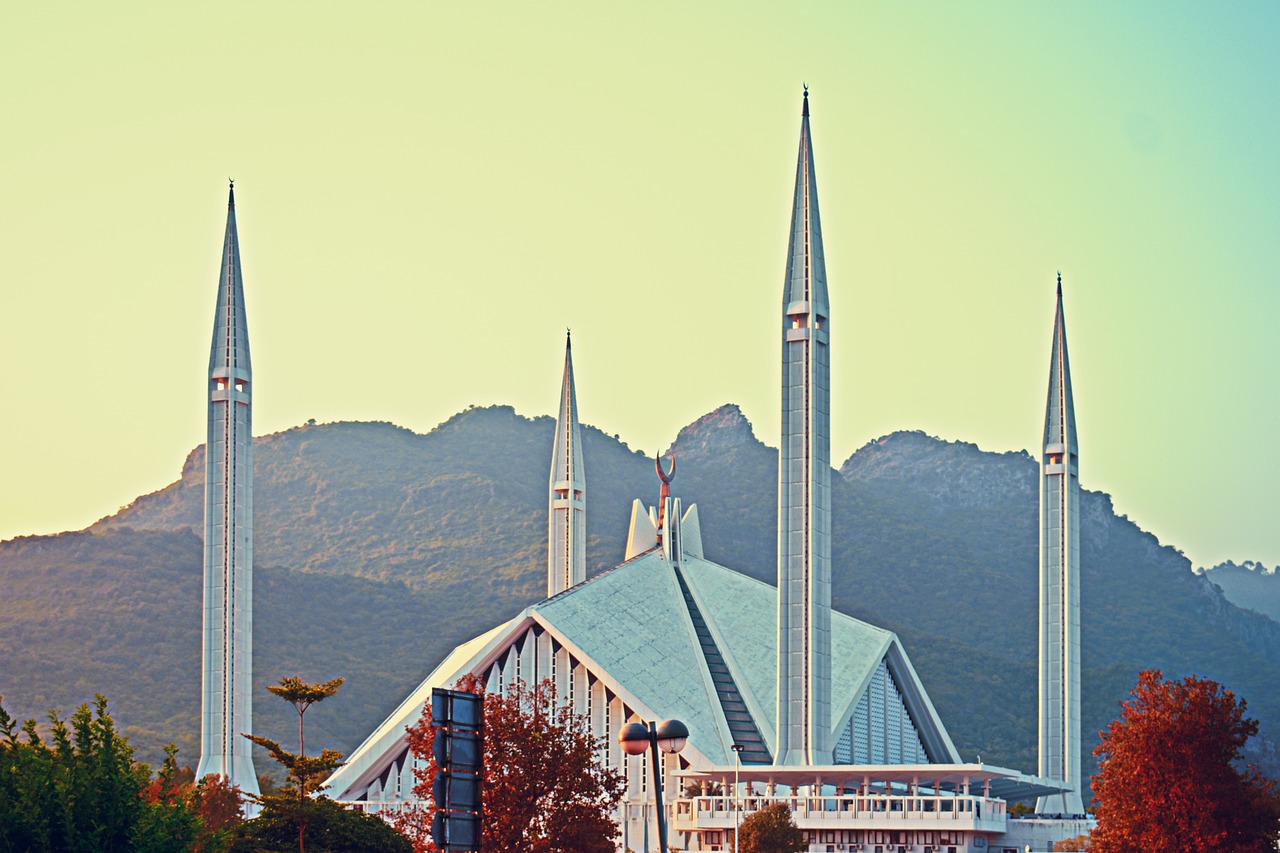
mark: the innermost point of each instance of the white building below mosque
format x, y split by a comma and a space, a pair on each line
866, 764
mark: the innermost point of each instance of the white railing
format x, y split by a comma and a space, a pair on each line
853, 811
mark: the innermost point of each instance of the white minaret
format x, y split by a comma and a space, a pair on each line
567, 513
227, 684
804, 485
1060, 584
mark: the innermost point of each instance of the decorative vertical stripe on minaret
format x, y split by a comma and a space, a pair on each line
226, 703
567, 515
1060, 584
804, 485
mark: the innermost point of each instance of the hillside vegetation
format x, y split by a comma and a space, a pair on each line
1250, 585
378, 549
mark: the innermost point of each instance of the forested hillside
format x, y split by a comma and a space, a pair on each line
1250, 585
378, 549
118, 612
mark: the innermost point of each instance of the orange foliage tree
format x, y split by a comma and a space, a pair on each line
544, 789
1168, 776
771, 830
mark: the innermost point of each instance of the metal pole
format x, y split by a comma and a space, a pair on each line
737, 803
657, 787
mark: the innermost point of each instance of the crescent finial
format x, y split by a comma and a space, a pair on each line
665, 476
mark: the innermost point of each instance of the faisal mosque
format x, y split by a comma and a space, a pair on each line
785, 699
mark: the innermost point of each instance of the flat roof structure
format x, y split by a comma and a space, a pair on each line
999, 782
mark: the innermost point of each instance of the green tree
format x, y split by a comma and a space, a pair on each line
82, 791
545, 790
771, 830
1168, 776
168, 822
305, 774
330, 828
703, 788
298, 811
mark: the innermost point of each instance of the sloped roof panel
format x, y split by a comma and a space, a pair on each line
386, 741
651, 652
745, 614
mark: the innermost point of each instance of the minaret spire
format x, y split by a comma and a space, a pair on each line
226, 698
804, 484
567, 514
1060, 583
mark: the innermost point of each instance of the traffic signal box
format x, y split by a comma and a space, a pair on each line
458, 748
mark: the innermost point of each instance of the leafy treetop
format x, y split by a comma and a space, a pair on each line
302, 694
299, 812
82, 791
1168, 778
771, 830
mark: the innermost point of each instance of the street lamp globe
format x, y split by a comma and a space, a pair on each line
672, 735
634, 738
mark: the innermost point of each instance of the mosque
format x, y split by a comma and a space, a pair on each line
784, 698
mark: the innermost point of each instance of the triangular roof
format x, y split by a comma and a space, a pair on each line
631, 628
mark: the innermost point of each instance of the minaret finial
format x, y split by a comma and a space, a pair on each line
806, 99
1059, 282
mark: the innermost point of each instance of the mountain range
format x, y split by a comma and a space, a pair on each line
378, 549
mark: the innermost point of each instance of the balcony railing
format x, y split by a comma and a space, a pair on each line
854, 811
387, 809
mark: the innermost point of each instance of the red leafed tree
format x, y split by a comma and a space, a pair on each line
1168, 777
544, 788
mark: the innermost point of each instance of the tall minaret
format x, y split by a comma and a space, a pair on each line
804, 485
226, 700
567, 513
1060, 584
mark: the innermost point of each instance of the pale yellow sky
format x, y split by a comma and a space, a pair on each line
428, 194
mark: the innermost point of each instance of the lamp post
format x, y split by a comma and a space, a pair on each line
669, 736
737, 803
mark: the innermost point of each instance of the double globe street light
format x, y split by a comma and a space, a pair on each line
669, 736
